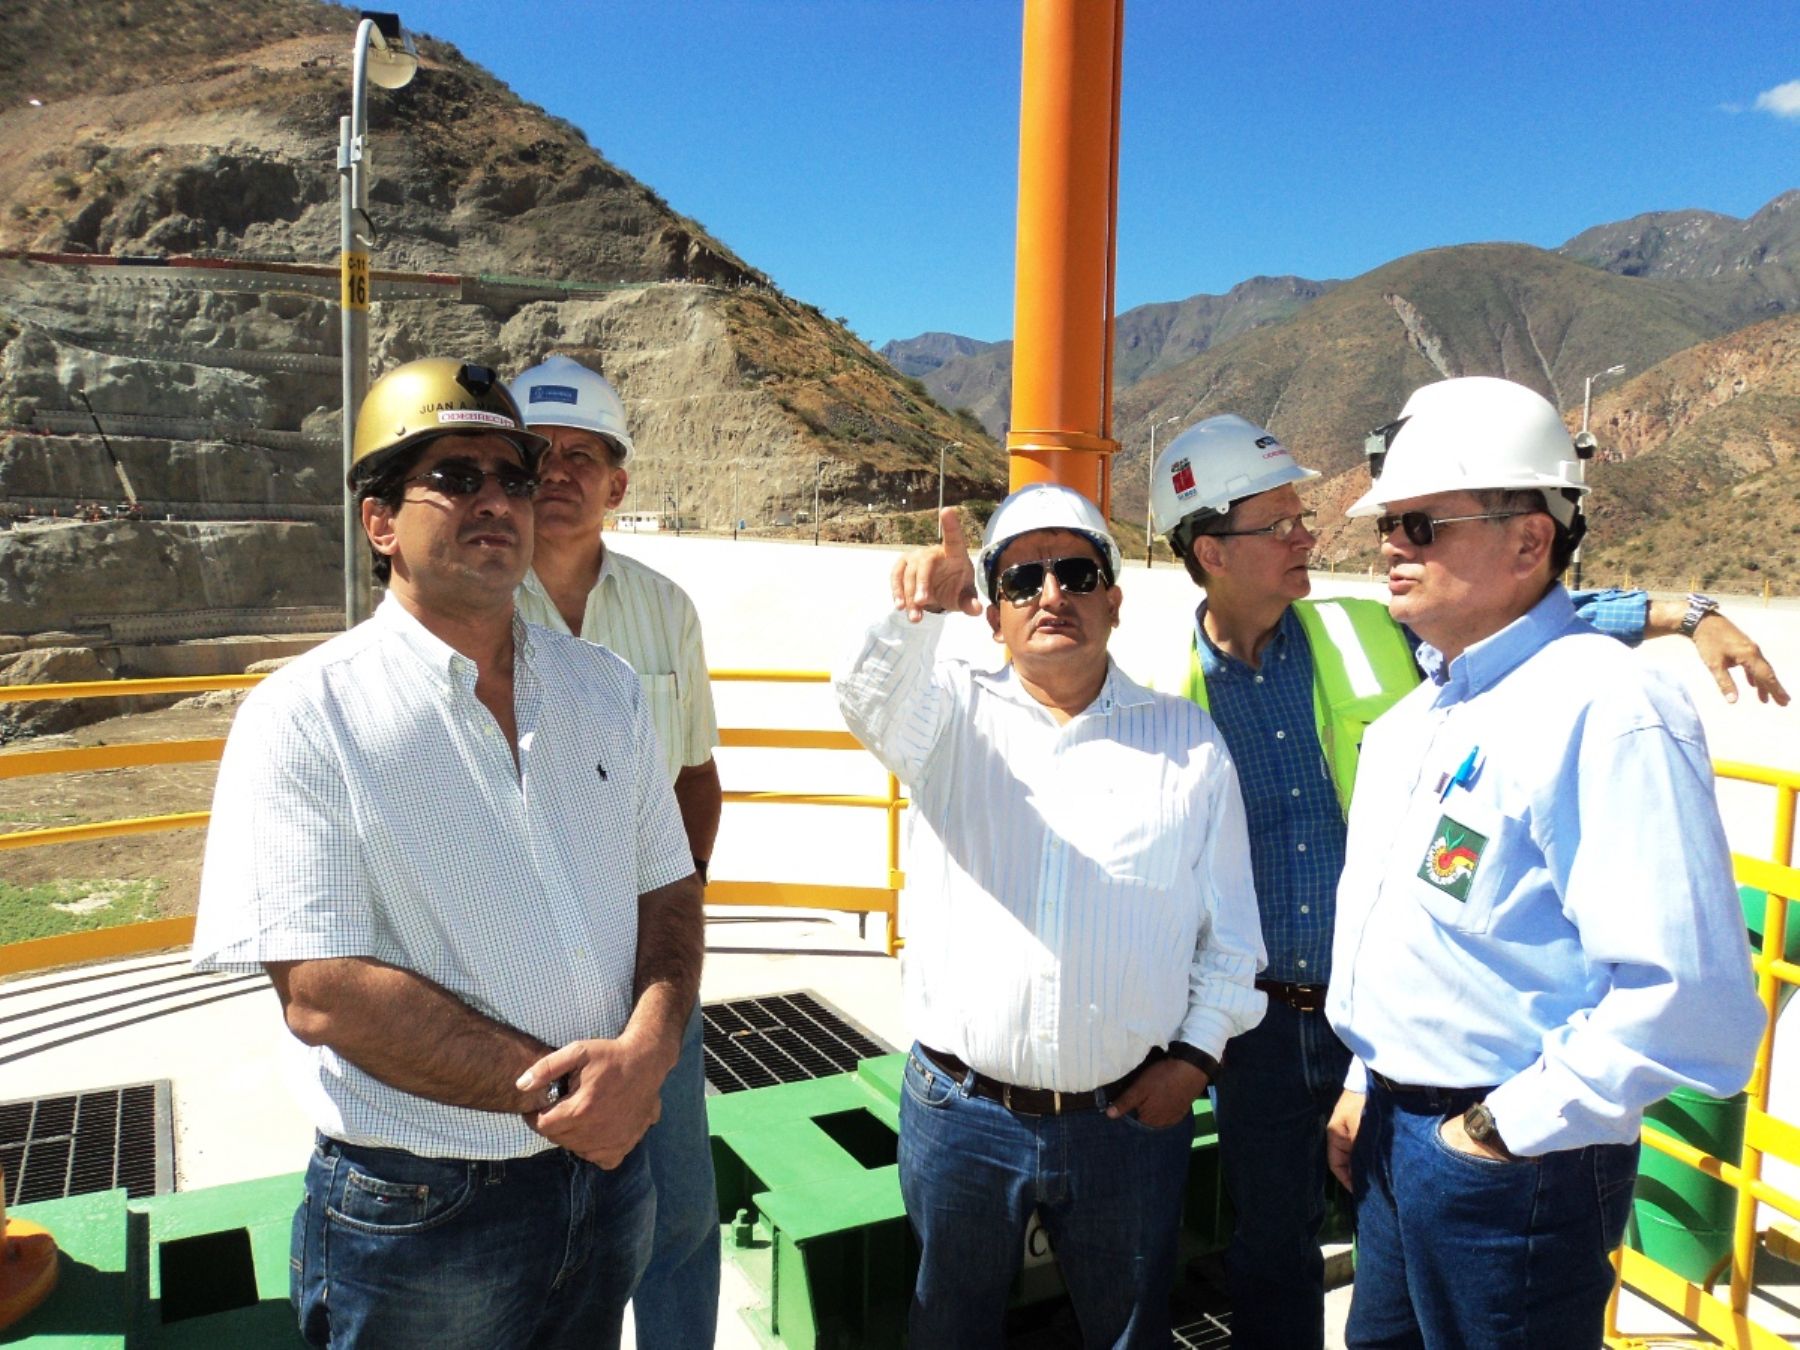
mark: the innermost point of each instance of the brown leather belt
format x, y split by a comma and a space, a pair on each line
1306, 998
1035, 1101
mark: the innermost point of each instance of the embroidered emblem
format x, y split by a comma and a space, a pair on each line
1453, 858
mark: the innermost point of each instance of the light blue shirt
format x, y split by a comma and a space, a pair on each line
1537, 891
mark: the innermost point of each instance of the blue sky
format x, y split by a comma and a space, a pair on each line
864, 152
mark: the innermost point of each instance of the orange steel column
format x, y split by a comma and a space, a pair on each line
1061, 428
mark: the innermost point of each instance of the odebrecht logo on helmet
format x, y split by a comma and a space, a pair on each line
436, 396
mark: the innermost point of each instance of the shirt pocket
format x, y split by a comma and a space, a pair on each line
1123, 828
1465, 858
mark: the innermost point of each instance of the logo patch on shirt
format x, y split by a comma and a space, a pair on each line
1453, 858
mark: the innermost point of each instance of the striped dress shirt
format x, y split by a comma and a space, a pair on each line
1076, 895
368, 805
638, 613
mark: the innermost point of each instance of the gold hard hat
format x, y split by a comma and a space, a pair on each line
437, 396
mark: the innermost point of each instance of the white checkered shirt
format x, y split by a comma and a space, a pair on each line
368, 805
1075, 895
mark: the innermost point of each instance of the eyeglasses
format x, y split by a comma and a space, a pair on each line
1278, 529
1024, 582
1421, 528
465, 480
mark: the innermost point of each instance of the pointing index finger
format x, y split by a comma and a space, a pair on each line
950, 525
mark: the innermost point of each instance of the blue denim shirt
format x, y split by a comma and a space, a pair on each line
1296, 825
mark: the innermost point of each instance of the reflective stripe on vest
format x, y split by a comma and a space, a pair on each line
1362, 666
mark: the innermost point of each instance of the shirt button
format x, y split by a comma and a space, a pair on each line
1259, 679
1306, 909
1295, 792
1281, 735
1303, 965
1303, 848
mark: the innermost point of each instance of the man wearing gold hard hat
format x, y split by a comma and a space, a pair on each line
483, 1006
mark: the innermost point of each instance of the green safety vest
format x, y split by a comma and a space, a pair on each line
1362, 666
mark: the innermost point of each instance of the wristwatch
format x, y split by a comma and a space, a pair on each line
1699, 606
1478, 1124
1194, 1055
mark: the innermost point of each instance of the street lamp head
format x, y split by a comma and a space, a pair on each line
393, 60
1615, 370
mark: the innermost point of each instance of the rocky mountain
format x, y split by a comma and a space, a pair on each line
150, 132
1756, 261
1146, 340
1346, 362
1698, 482
919, 356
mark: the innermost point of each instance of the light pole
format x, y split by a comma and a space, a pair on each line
942, 450
818, 479
734, 514
1587, 391
1584, 451
1150, 489
384, 53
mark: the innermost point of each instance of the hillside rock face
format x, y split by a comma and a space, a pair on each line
218, 389
1146, 341
923, 354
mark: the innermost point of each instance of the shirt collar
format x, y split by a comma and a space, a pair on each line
1215, 663
1486, 663
1117, 692
536, 587
439, 656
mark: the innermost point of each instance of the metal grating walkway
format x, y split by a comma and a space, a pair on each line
99, 1140
780, 1038
1211, 1332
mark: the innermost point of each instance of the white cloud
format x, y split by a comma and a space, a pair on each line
1783, 100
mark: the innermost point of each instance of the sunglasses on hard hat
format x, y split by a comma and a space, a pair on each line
1024, 582
465, 480
1421, 528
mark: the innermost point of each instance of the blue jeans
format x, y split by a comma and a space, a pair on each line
1459, 1251
1272, 1101
1109, 1193
676, 1306
397, 1252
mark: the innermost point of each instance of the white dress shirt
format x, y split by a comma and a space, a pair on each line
639, 614
1076, 895
368, 805
1538, 891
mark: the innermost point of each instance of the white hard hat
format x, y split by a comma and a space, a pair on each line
1043, 506
1215, 463
561, 392
1477, 432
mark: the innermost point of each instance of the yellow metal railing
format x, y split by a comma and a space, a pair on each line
1726, 1320
127, 939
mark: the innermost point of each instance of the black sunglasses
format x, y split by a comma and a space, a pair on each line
1422, 528
1024, 582
465, 480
